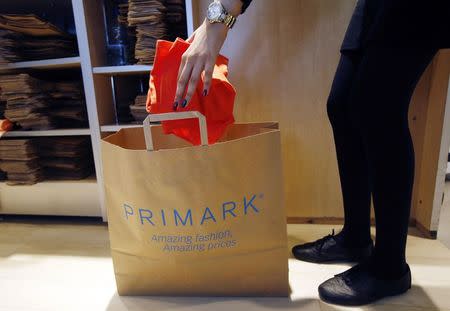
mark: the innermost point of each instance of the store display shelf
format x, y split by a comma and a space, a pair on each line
61, 132
68, 197
117, 127
58, 63
122, 70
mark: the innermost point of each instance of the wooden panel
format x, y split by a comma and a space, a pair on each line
97, 48
417, 124
429, 110
282, 62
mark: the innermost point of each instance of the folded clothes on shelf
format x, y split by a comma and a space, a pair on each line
36, 104
138, 108
19, 159
27, 161
66, 157
155, 20
148, 18
28, 37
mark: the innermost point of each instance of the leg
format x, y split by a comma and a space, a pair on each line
352, 161
354, 242
378, 107
379, 104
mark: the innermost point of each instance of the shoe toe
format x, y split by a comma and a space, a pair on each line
335, 291
305, 253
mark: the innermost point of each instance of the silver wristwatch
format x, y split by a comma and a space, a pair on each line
217, 14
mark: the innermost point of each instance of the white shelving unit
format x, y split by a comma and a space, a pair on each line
64, 132
122, 70
62, 198
58, 63
84, 197
115, 128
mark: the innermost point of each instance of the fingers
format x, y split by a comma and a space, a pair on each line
196, 72
184, 74
188, 77
209, 67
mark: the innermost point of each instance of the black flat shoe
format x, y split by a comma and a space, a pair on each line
330, 249
357, 286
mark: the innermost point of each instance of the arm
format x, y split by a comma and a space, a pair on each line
201, 56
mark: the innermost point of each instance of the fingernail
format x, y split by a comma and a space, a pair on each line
205, 92
175, 106
184, 104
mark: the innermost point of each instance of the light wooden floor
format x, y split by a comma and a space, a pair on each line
68, 267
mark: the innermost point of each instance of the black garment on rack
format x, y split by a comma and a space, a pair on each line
396, 23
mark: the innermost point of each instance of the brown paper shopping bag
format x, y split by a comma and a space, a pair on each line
196, 220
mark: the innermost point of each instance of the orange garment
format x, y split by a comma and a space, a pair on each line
217, 106
5, 125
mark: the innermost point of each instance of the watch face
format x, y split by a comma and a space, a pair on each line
214, 10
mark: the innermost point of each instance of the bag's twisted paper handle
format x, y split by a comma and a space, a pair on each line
175, 116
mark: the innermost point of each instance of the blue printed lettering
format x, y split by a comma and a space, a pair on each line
148, 216
250, 203
128, 210
230, 211
211, 216
178, 217
163, 216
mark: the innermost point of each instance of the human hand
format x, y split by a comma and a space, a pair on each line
200, 57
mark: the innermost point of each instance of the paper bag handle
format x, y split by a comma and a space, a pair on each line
175, 116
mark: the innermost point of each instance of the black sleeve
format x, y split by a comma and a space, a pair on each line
245, 5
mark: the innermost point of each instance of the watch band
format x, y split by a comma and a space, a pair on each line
229, 20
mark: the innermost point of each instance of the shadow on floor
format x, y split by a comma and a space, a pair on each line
202, 303
416, 299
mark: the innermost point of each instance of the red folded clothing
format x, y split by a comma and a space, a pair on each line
217, 106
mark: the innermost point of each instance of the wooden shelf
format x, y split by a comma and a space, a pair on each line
58, 63
68, 197
122, 70
62, 132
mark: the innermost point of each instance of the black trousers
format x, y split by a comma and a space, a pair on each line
368, 110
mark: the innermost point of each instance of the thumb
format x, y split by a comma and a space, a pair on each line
191, 37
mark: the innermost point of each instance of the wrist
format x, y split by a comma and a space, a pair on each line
218, 29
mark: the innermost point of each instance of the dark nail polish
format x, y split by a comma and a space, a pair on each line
175, 105
205, 92
184, 104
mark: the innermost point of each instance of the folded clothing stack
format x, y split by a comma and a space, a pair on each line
19, 159
41, 105
27, 161
176, 19
65, 157
148, 16
28, 37
138, 109
8, 48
